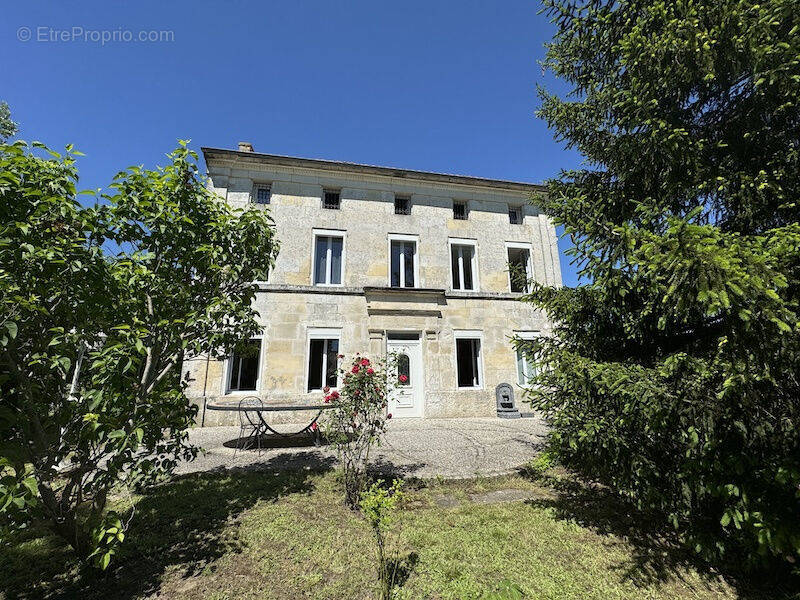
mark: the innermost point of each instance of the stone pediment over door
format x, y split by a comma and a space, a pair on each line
409, 302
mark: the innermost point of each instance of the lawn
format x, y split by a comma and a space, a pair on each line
285, 534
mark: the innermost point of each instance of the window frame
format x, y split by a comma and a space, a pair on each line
320, 333
523, 335
338, 193
466, 210
254, 194
316, 234
519, 209
228, 371
529, 271
403, 237
476, 286
469, 334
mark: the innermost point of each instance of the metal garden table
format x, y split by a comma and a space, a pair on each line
260, 426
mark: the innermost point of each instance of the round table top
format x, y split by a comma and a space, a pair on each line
235, 405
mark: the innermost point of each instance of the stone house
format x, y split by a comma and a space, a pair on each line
376, 260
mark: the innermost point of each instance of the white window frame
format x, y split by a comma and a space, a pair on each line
317, 233
402, 237
529, 272
320, 333
228, 368
523, 335
469, 334
254, 195
476, 286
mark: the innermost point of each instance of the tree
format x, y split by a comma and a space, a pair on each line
100, 306
673, 373
7, 127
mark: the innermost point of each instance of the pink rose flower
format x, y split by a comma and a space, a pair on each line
389, 416
335, 395
326, 389
364, 362
403, 378
355, 369
370, 372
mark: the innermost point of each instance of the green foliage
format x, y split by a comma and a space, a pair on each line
672, 376
7, 127
357, 421
378, 504
100, 305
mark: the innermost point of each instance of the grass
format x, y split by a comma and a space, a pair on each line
285, 534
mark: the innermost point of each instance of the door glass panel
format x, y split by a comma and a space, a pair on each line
403, 369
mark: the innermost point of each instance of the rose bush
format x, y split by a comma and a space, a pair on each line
358, 420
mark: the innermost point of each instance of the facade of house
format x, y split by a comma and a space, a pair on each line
376, 260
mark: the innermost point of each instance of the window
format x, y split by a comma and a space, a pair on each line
468, 360
403, 368
323, 351
328, 258
243, 367
463, 264
403, 253
402, 206
263, 194
525, 367
515, 215
460, 211
331, 199
519, 267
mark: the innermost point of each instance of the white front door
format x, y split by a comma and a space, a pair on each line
407, 397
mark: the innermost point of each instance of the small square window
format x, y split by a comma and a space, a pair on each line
263, 194
515, 215
331, 199
402, 206
460, 211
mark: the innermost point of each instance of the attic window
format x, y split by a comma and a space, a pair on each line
515, 215
402, 206
263, 194
331, 199
460, 211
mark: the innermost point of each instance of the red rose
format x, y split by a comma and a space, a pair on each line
314, 426
341, 356
364, 362
327, 399
355, 369
326, 389
334, 394
389, 416
403, 378
370, 372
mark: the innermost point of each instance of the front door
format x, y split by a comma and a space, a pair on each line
407, 397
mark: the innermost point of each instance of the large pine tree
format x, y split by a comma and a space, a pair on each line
673, 374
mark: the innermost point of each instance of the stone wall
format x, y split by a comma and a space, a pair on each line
289, 305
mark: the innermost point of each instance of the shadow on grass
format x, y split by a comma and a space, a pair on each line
402, 568
657, 554
178, 527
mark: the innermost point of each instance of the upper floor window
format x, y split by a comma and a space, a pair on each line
519, 267
243, 367
403, 256
331, 199
328, 257
463, 264
263, 194
460, 210
402, 206
515, 215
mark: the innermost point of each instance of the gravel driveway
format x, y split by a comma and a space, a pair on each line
424, 448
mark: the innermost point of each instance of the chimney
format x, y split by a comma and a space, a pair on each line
245, 147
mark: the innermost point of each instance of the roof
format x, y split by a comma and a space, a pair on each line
212, 154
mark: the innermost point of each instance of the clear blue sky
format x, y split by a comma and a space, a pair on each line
439, 86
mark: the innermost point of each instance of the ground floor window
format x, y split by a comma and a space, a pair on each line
322, 362
468, 362
243, 367
526, 369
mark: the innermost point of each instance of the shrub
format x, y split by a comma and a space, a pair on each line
378, 504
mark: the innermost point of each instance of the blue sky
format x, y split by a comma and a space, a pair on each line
439, 86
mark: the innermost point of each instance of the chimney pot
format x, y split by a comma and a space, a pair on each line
245, 147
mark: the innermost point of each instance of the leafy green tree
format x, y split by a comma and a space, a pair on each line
673, 374
100, 305
7, 127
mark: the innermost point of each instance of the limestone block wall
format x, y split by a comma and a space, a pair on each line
288, 304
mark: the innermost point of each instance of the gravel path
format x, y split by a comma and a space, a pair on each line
424, 448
